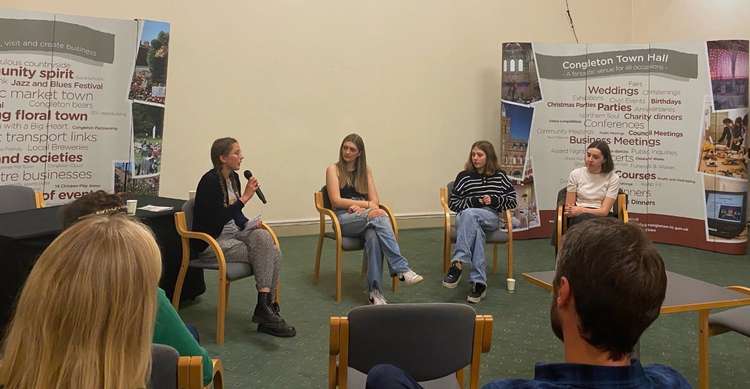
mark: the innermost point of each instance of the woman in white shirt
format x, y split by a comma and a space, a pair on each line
592, 189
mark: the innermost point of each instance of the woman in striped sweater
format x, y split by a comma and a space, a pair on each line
479, 193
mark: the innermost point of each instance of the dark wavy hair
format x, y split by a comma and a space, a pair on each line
98, 203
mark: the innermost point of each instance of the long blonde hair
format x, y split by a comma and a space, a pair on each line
358, 177
85, 317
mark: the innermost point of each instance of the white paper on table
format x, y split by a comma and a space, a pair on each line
155, 208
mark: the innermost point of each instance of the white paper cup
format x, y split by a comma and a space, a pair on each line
511, 284
132, 205
191, 195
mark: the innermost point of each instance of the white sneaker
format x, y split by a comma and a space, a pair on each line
410, 277
376, 298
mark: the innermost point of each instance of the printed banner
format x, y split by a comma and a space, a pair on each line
66, 124
674, 116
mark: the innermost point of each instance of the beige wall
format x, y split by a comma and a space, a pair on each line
419, 80
690, 20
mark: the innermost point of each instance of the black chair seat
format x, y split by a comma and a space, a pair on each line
163, 367
16, 198
378, 333
496, 236
736, 319
235, 270
347, 243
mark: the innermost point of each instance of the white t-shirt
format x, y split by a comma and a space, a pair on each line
591, 189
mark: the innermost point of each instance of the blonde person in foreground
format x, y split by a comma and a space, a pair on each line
85, 317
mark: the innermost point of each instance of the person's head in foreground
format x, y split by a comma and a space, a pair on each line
98, 203
609, 286
85, 317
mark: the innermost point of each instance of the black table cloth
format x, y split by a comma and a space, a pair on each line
25, 234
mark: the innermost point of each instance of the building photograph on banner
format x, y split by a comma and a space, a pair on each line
515, 128
65, 116
520, 82
525, 215
674, 116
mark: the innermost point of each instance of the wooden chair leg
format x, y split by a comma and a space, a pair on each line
221, 310
446, 254
316, 270
494, 258
510, 258
460, 378
178, 288
394, 283
276, 292
226, 298
339, 270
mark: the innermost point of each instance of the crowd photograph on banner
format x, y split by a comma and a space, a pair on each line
724, 148
148, 126
149, 84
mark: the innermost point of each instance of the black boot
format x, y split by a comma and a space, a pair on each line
274, 305
264, 313
276, 326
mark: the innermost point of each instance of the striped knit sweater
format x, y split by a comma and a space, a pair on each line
470, 186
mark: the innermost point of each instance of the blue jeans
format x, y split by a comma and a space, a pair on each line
385, 376
379, 241
471, 226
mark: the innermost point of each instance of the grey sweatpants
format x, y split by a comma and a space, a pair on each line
254, 247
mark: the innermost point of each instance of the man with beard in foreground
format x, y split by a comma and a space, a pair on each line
609, 286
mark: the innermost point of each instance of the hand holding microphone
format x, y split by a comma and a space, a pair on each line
259, 192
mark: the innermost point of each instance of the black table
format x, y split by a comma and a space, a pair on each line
25, 234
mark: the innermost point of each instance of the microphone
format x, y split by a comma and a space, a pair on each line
259, 192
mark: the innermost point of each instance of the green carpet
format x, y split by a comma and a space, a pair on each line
521, 320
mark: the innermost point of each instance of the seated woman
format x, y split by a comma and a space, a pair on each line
218, 212
169, 328
480, 191
352, 192
85, 317
592, 189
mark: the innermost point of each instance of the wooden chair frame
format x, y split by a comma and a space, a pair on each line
39, 199
447, 243
326, 212
223, 303
737, 288
338, 351
562, 221
190, 373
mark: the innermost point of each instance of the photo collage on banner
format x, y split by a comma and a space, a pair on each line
81, 104
724, 153
520, 91
147, 93
63, 115
674, 116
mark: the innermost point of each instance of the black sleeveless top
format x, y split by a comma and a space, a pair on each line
348, 192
